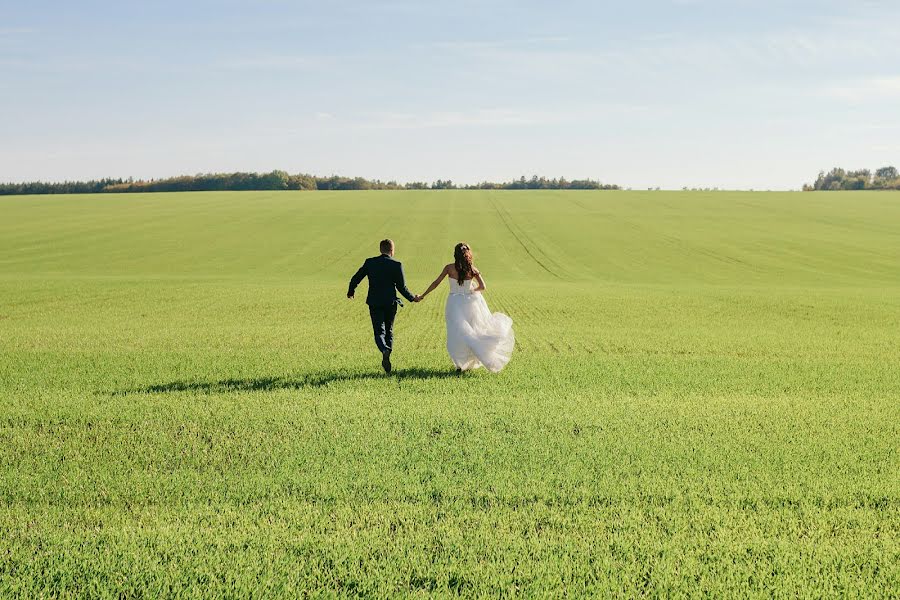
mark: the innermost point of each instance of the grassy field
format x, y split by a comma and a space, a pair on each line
704, 398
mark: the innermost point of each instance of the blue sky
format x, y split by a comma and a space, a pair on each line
728, 93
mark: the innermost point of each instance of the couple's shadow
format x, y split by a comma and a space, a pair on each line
312, 380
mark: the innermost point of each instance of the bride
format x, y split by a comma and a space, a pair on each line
475, 337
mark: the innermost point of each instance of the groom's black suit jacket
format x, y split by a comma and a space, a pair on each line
385, 276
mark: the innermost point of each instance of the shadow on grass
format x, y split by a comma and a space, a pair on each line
286, 383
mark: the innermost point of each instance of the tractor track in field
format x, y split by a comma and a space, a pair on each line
706, 252
524, 312
580, 205
357, 249
522, 243
681, 243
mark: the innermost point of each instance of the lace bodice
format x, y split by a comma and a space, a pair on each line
467, 287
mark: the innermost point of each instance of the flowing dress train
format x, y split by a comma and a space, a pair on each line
475, 336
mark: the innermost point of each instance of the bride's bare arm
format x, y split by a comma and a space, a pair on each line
436, 282
481, 285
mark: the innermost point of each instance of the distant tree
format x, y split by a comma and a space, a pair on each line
443, 185
279, 180
276, 180
857, 180
302, 182
888, 173
885, 178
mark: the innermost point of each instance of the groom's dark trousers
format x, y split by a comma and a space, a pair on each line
385, 280
383, 325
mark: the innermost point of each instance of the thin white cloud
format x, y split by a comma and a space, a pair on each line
56, 63
494, 117
430, 120
273, 63
16, 30
893, 149
862, 90
802, 47
449, 119
482, 44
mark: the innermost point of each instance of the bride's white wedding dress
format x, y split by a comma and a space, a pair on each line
475, 336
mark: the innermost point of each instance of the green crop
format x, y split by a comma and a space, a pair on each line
704, 398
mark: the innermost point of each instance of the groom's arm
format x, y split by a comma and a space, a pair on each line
401, 286
357, 279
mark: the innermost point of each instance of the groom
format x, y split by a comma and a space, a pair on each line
385, 276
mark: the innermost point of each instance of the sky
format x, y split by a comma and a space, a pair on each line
734, 94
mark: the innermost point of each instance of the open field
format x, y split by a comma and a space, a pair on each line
705, 397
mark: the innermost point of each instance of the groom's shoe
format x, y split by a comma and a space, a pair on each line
386, 361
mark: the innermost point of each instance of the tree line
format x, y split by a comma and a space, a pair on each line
885, 178
281, 180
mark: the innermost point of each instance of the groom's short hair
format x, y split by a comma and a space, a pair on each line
386, 246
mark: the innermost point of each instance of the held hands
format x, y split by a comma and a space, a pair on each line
415, 299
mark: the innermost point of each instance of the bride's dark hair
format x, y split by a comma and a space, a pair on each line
462, 256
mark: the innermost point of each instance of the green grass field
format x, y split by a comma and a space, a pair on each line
704, 398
